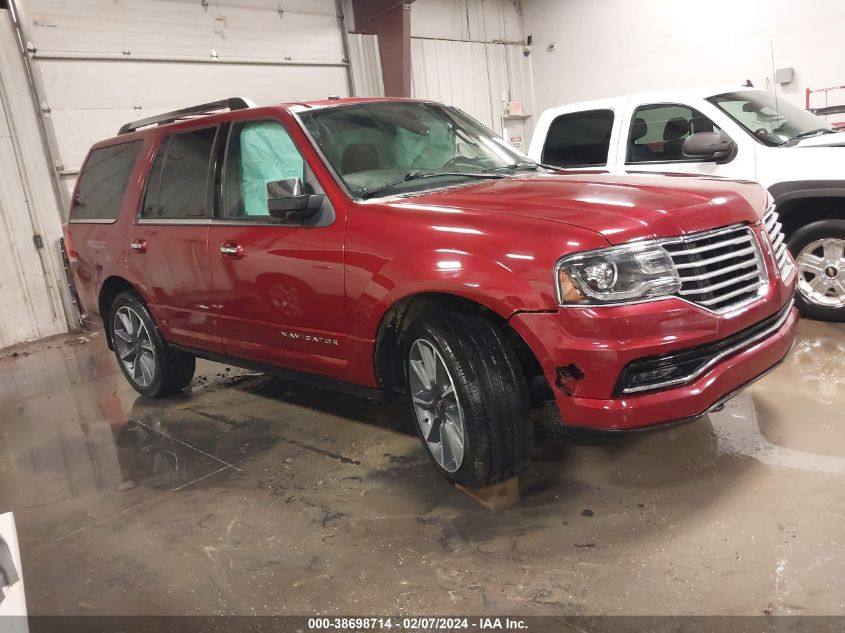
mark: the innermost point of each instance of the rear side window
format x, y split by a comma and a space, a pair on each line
178, 182
579, 139
103, 181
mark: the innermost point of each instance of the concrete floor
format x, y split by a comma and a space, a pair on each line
249, 495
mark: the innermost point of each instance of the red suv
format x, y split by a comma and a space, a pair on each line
387, 246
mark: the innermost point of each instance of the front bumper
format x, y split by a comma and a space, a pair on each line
583, 352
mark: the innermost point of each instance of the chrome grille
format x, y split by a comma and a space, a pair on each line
774, 229
720, 270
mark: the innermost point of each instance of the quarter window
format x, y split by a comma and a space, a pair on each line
178, 183
579, 139
102, 183
658, 132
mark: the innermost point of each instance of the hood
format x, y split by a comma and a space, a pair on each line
814, 160
619, 207
823, 140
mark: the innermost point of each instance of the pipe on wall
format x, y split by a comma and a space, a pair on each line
43, 133
344, 38
191, 59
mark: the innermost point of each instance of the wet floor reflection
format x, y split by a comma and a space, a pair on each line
148, 455
819, 363
737, 430
794, 418
67, 462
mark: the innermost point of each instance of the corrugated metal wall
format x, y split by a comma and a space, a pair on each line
100, 63
366, 65
454, 73
470, 53
30, 277
480, 78
468, 20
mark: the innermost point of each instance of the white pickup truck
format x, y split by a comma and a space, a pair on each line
735, 132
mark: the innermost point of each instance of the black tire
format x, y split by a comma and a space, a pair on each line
172, 370
799, 240
492, 393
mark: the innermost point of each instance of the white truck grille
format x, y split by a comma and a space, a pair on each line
720, 270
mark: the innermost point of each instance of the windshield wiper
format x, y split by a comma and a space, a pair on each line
821, 130
419, 174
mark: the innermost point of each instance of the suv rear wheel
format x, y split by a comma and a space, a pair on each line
469, 398
150, 365
819, 250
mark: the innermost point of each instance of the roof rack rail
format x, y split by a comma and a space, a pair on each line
232, 103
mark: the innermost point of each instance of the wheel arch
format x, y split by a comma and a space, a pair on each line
110, 289
390, 338
803, 202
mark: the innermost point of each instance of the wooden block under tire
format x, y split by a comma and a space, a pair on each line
495, 497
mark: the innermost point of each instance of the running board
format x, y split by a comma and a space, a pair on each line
379, 394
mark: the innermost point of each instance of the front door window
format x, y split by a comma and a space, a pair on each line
260, 152
658, 132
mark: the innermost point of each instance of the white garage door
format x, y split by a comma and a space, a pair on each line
101, 63
30, 268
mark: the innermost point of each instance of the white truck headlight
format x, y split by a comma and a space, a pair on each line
615, 274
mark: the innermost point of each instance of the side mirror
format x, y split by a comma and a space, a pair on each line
709, 146
287, 200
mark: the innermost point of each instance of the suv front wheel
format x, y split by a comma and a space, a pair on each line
469, 398
150, 365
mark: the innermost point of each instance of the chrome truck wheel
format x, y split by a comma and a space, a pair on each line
821, 272
819, 251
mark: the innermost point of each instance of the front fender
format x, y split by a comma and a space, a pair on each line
788, 191
490, 283
501, 261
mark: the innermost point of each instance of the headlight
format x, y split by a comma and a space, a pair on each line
619, 273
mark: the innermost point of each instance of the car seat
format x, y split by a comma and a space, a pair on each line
639, 153
359, 157
674, 134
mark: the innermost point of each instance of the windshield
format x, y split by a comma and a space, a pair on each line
772, 121
392, 147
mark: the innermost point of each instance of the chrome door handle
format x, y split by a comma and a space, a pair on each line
232, 250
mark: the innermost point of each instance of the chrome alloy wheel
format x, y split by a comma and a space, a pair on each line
821, 272
436, 405
134, 346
